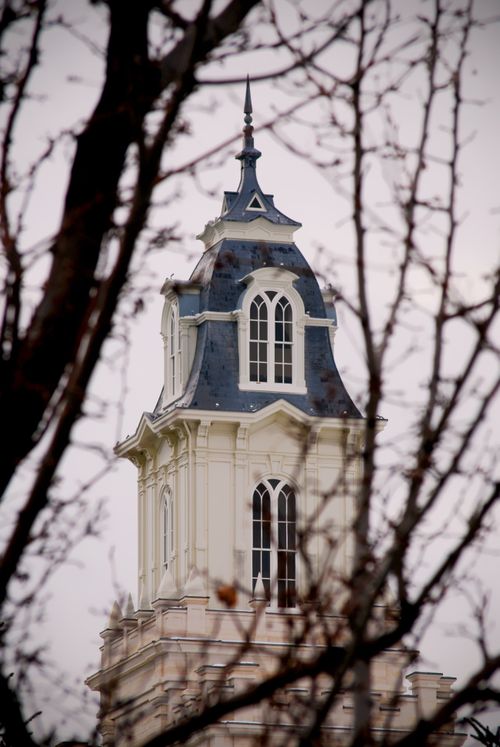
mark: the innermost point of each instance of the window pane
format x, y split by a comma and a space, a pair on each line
266, 534
281, 506
282, 565
256, 503
256, 569
266, 564
266, 505
282, 596
254, 308
254, 326
256, 533
282, 534
278, 373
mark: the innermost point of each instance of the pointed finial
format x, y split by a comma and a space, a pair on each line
259, 593
249, 154
114, 617
144, 599
129, 610
194, 585
248, 129
167, 588
248, 103
259, 598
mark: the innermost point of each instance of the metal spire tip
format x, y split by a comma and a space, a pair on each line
248, 100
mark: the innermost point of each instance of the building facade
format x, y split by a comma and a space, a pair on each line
247, 475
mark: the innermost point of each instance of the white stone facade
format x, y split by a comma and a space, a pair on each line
211, 462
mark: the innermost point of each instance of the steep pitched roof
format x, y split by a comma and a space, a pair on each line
214, 377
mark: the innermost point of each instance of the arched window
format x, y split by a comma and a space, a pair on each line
271, 323
167, 529
173, 353
271, 339
274, 540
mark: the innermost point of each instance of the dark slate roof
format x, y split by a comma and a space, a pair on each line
236, 203
222, 268
213, 382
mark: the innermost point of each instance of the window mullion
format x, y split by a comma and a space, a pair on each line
272, 340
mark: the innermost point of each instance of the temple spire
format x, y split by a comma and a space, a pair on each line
249, 202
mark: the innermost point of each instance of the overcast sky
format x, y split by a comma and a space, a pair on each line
104, 568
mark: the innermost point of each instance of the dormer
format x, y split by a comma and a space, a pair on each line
178, 331
271, 333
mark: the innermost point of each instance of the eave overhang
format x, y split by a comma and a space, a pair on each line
150, 431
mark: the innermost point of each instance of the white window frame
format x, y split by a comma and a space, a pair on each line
172, 353
281, 282
271, 581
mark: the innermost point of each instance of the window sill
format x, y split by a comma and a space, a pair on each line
254, 386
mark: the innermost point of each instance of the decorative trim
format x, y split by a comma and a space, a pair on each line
202, 434
233, 316
270, 386
149, 432
257, 208
242, 437
259, 229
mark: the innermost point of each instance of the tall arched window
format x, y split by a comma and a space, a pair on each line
274, 540
167, 529
173, 352
271, 339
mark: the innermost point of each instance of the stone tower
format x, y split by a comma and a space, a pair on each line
247, 472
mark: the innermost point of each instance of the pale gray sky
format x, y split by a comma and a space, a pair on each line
102, 569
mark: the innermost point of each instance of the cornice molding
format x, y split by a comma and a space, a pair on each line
259, 229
